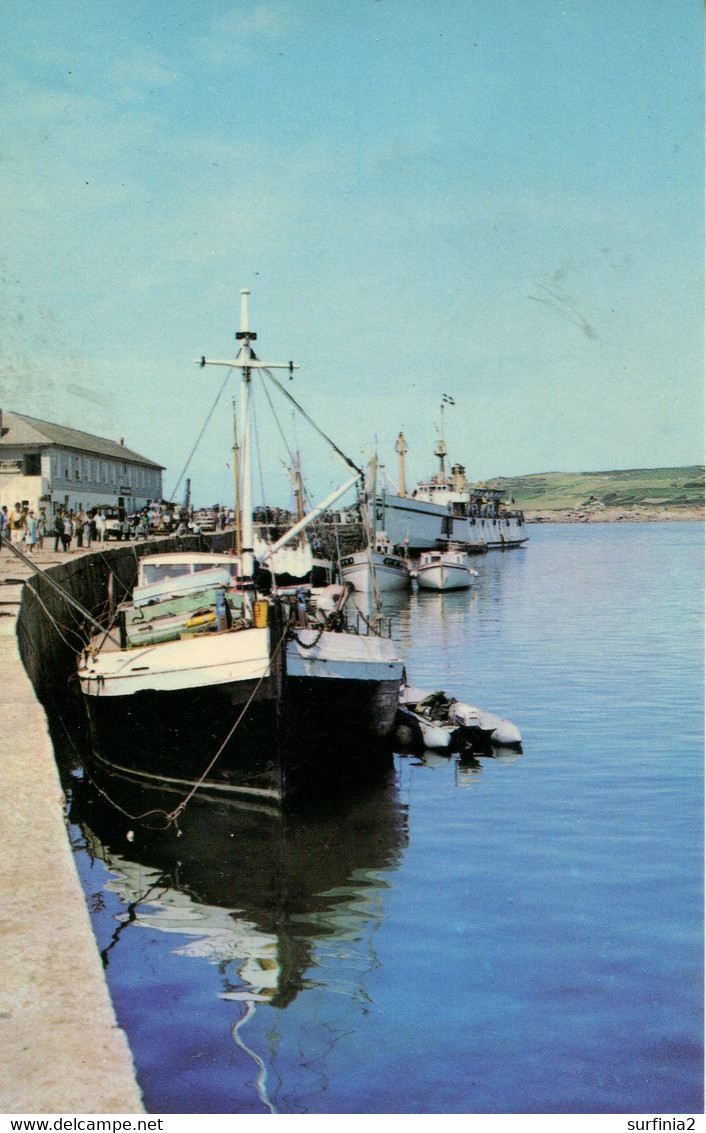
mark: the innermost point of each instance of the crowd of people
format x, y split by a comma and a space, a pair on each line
75, 530
25, 526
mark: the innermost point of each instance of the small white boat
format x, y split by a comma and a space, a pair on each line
382, 568
445, 569
437, 721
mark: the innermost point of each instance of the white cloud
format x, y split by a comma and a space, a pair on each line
140, 72
234, 35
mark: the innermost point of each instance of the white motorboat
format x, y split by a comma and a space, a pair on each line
380, 568
214, 683
445, 569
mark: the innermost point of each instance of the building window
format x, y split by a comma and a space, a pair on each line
31, 464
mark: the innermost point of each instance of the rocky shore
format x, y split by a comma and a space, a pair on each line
598, 513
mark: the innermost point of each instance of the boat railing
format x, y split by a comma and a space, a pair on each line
377, 626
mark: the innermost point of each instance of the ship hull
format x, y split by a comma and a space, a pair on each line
444, 577
421, 525
390, 572
171, 739
262, 738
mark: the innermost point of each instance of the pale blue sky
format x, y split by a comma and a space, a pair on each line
501, 200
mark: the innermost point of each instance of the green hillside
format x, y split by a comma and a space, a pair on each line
644, 487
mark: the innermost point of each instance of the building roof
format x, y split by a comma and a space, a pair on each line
18, 429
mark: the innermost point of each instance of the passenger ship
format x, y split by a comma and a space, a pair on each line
446, 508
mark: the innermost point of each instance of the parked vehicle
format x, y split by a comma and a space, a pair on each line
115, 527
205, 519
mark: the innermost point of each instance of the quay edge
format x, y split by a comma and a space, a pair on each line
61, 1050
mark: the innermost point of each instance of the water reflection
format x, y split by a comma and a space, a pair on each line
257, 894
466, 765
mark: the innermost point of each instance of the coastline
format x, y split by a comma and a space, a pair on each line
636, 514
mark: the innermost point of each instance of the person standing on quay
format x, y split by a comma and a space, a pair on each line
16, 524
30, 532
4, 523
58, 530
68, 532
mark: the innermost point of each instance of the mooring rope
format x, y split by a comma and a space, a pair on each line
173, 815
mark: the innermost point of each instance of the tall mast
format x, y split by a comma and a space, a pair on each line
246, 362
440, 449
236, 483
374, 525
246, 336
401, 449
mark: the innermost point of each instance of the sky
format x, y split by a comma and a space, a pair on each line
500, 200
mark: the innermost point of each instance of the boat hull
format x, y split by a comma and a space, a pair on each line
444, 577
421, 524
316, 735
171, 738
390, 573
261, 738
342, 684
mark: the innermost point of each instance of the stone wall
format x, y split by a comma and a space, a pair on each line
51, 633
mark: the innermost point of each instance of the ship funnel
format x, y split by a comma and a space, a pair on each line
458, 478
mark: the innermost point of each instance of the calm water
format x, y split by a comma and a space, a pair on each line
505, 937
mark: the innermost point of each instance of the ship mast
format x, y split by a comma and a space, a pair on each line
401, 449
440, 449
246, 336
246, 362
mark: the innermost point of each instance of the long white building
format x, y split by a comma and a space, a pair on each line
53, 467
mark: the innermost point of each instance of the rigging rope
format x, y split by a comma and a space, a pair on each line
313, 424
203, 430
58, 626
71, 601
277, 422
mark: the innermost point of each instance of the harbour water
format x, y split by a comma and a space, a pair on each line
509, 935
